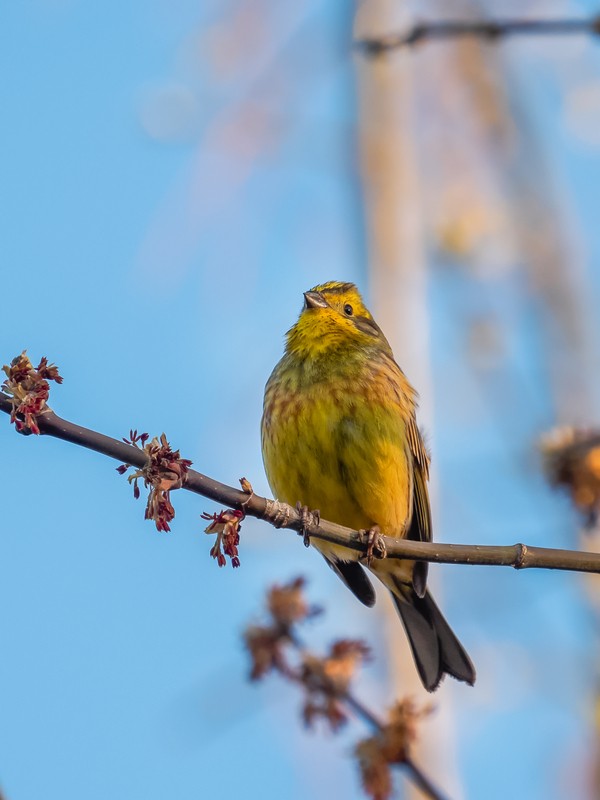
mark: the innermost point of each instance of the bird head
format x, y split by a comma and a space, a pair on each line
334, 318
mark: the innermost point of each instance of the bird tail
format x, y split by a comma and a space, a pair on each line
434, 645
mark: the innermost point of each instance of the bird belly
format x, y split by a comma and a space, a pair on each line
336, 453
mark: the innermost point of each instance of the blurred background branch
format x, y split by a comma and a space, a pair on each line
326, 681
484, 29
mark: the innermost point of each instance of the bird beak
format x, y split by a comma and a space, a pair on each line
314, 300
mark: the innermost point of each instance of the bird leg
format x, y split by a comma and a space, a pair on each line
307, 518
375, 544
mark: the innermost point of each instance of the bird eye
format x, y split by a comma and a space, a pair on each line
348, 310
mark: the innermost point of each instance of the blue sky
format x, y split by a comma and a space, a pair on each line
159, 263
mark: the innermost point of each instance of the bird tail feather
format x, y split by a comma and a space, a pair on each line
434, 645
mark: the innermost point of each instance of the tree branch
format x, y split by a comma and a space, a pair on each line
486, 29
281, 515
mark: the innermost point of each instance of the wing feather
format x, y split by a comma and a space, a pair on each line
420, 526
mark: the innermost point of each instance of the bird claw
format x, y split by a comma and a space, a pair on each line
375, 544
307, 518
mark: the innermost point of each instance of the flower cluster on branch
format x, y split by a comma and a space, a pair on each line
388, 746
571, 459
28, 388
267, 644
327, 679
226, 524
276, 647
164, 471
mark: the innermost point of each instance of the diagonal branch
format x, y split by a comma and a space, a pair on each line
281, 515
485, 29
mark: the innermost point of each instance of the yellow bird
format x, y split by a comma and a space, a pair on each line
339, 434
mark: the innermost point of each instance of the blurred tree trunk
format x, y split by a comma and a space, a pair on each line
495, 206
398, 292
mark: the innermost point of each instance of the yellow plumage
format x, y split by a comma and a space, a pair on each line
339, 434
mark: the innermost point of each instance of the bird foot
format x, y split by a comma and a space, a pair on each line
307, 518
375, 544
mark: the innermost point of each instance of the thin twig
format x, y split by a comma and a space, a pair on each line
281, 515
486, 29
362, 711
421, 780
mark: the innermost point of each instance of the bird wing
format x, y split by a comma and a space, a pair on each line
420, 528
420, 524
